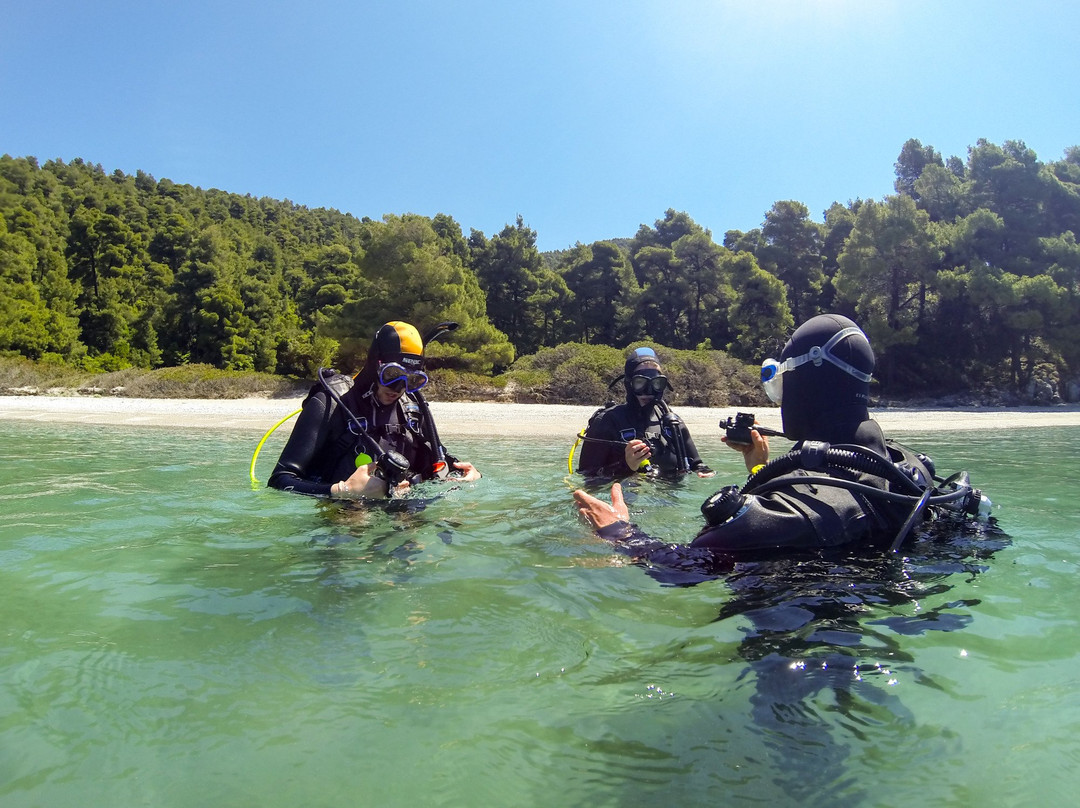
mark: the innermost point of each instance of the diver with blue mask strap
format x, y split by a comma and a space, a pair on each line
642, 434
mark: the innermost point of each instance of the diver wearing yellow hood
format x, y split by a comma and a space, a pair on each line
372, 435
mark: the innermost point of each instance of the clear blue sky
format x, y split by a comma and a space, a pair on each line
586, 118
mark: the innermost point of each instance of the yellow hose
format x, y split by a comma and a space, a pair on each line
269, 432
570, 457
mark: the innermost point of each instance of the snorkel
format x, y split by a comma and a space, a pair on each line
441, 469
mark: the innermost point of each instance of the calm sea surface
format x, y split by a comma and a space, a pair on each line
172, 637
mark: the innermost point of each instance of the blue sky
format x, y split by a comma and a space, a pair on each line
586, 118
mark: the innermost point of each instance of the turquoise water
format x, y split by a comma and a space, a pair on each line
173, 638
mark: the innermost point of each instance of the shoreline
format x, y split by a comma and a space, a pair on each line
483, 418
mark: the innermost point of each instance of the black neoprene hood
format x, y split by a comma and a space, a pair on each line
822, 399
642, 362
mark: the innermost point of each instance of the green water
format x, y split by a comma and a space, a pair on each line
173, 638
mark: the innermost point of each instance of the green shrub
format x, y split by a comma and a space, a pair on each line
573, 373
17, 373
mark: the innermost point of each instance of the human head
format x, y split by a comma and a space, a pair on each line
398, 342
826, 387
395, 343
643, 363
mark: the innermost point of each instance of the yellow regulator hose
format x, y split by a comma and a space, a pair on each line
269, 432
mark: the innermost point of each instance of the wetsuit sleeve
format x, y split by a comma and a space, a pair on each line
671, 564
766, 522
293, 471
605, 456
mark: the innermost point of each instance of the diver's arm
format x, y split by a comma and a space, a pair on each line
364, 484
755, 453
605, 454
308, 437
594, 455
469, 472
602, 515
671, 563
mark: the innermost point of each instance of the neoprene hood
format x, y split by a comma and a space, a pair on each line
395, 341
821, 400
640, 362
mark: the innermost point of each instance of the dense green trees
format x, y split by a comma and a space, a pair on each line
109, 271
968, 275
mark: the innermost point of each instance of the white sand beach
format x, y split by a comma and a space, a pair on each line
479, 419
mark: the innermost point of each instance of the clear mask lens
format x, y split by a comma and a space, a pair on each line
648, 385
393, 374
772, 379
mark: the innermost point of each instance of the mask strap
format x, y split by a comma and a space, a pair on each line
816, 354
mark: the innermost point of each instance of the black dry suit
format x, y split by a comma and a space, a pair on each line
868, 490
343, 419
613, 426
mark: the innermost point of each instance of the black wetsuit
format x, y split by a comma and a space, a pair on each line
611, 428
322, 449
797, 516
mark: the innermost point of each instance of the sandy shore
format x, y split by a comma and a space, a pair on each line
479, 419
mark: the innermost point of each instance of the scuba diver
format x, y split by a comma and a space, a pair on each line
841, 484
372, 435
643, 434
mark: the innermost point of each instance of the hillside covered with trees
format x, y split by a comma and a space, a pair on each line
967, 277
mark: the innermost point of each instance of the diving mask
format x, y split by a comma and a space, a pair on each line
392, 374
772, 372
648, 385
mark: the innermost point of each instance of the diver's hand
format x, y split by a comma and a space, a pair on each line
636, 452
709, 473
754, 453
363, 483
599, 513
469, 472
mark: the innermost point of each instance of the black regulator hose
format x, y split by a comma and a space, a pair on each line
863, 488
673, 422
815, 455
392, 465
432, 434
910, 521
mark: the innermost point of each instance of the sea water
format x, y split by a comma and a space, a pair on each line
174, 637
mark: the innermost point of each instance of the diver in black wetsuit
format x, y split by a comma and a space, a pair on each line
373, 435
642, 434
842, 483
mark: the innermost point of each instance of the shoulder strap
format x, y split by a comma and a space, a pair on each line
340, 383
601, 412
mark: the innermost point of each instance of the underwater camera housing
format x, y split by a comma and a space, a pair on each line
737, 430
392, 466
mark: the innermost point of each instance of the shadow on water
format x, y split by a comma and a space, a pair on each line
382, 534
823, 642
